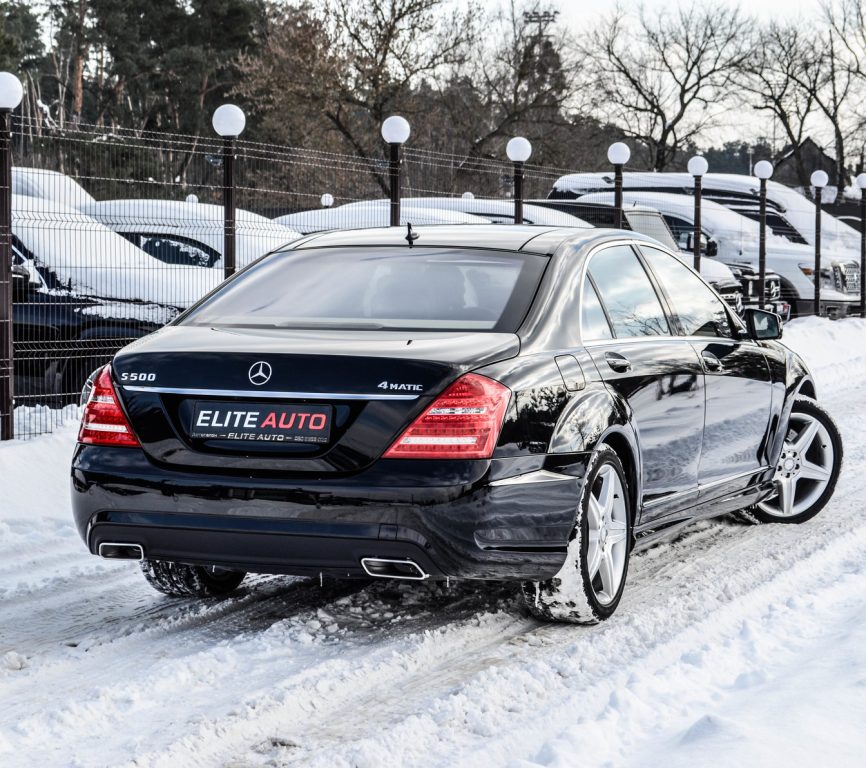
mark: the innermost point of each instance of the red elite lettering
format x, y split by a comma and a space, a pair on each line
317, 421
270, 420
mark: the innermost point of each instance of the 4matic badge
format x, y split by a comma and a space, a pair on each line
391, 385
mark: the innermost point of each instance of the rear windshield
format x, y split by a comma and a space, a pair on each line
379, 288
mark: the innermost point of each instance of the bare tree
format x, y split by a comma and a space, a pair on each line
387, 49
664, 78
777, 79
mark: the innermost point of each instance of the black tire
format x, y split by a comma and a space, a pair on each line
180, 580
804, 405
570, 596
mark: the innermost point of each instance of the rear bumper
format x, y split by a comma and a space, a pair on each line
499, 519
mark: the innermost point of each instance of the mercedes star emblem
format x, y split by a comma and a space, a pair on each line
260, 373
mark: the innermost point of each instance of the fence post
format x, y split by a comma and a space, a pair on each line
763, 170
819, 181
395, 131
11, 93
697, 168
519, 150
861, 182
618, 155
229, 121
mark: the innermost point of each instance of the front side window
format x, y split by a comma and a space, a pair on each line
699, 311
628, 295
379, 289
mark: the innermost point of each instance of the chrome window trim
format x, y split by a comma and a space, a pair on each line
262, 394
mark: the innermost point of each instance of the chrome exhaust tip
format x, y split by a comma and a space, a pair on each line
387, 568
113, 550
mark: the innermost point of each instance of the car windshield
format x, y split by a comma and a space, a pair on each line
378, 288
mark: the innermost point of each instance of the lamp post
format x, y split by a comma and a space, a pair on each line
697, 168
395, 131
519, 151
11, 93
763, 170
819, 181
327, 200
618, 155
229, 122
860, 181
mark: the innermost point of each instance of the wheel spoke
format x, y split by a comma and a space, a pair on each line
812, 471
607, 572
605, 493
804, 440
787, 489
615, 537
594, 558
595, 513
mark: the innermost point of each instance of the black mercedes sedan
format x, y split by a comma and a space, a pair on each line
471, 402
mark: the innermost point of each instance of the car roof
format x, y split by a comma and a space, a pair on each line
505, 237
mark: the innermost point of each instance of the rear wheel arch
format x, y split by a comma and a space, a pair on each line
626, 451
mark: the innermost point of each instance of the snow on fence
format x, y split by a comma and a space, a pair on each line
115, 231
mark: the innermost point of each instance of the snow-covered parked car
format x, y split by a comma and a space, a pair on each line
371, 213
59, 334
190, 233
790, 216
89, 259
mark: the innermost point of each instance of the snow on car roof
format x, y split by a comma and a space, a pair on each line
371, 213
499, 209
49, 185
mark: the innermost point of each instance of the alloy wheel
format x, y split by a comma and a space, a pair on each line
607, 549
804, 469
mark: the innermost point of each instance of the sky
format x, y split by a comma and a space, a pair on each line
575, 12
746, 125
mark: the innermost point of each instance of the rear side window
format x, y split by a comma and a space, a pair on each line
628, 295
593, 323
699, 311
379, 288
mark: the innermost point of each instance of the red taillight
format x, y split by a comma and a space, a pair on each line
103, 422
462, 423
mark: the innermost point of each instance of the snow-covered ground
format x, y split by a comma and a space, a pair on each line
734, 646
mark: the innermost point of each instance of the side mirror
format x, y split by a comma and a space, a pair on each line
687, 243
712, 248
763, 325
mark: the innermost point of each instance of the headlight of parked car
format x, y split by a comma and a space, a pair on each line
827, 278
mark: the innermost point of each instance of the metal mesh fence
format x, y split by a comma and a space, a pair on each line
114, 232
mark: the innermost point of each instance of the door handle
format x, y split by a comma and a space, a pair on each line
617, 362
711, 361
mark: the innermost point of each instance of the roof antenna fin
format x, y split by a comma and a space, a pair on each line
411, 236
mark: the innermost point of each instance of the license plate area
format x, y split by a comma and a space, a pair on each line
262, 423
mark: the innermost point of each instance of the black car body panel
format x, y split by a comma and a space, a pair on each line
694, 442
